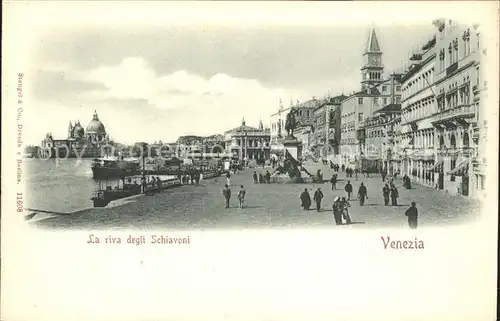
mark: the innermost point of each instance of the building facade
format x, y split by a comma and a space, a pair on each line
456, 119
417, 147
380, 143
480, 130
248, 143
326, 137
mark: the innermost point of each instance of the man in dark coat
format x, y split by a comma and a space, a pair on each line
412, 214
227, 194
348, 189
337, 211
305, 198
362, 194
394, 195
268, 177
386, 191
333, 180
255, 178
318, 196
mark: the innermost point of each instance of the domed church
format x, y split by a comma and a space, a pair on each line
80, 142
95, 132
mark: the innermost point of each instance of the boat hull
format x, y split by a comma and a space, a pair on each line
107, 196
104, 197
106, 172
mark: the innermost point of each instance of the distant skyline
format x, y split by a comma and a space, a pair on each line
159, 70
158, 83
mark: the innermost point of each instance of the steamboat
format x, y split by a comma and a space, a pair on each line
113, 167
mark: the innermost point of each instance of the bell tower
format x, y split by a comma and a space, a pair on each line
372, 69
70, 130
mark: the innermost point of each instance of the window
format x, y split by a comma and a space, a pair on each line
385, 100
360, 117
398, 88
360, 100
384, 89
398, 100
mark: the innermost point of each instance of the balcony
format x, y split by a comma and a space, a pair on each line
461, 114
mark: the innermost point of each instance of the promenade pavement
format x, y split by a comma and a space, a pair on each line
269, 206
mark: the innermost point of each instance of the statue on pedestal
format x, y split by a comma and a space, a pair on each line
291, 124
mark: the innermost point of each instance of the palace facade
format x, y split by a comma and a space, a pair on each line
248, 143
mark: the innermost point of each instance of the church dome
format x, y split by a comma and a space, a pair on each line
95, 126
78, 130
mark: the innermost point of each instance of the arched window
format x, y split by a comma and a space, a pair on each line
453, 141
441, 142
466, 140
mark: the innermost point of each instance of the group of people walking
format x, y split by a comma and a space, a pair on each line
341, 205
226, 192
262, 179
191, 176
390, 190
349, 171
305, 199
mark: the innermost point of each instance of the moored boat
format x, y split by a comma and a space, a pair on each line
130, 187
112, 167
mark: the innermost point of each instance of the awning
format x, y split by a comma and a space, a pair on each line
461, 170
422, 155
371, 157
438, 167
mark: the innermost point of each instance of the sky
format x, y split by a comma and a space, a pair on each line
160, 81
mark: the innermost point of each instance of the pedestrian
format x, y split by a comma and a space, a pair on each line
412, 214
356, 173
261, 178
345, 211
192, 175
241, 196
143, 184
153, 181
386, 191
408, 182
394, 195
198, 177
228, 179
348, 189
227, 194
362, 194
305, 198
255, 178
337, 211
333, 180
318, 196
268, 177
